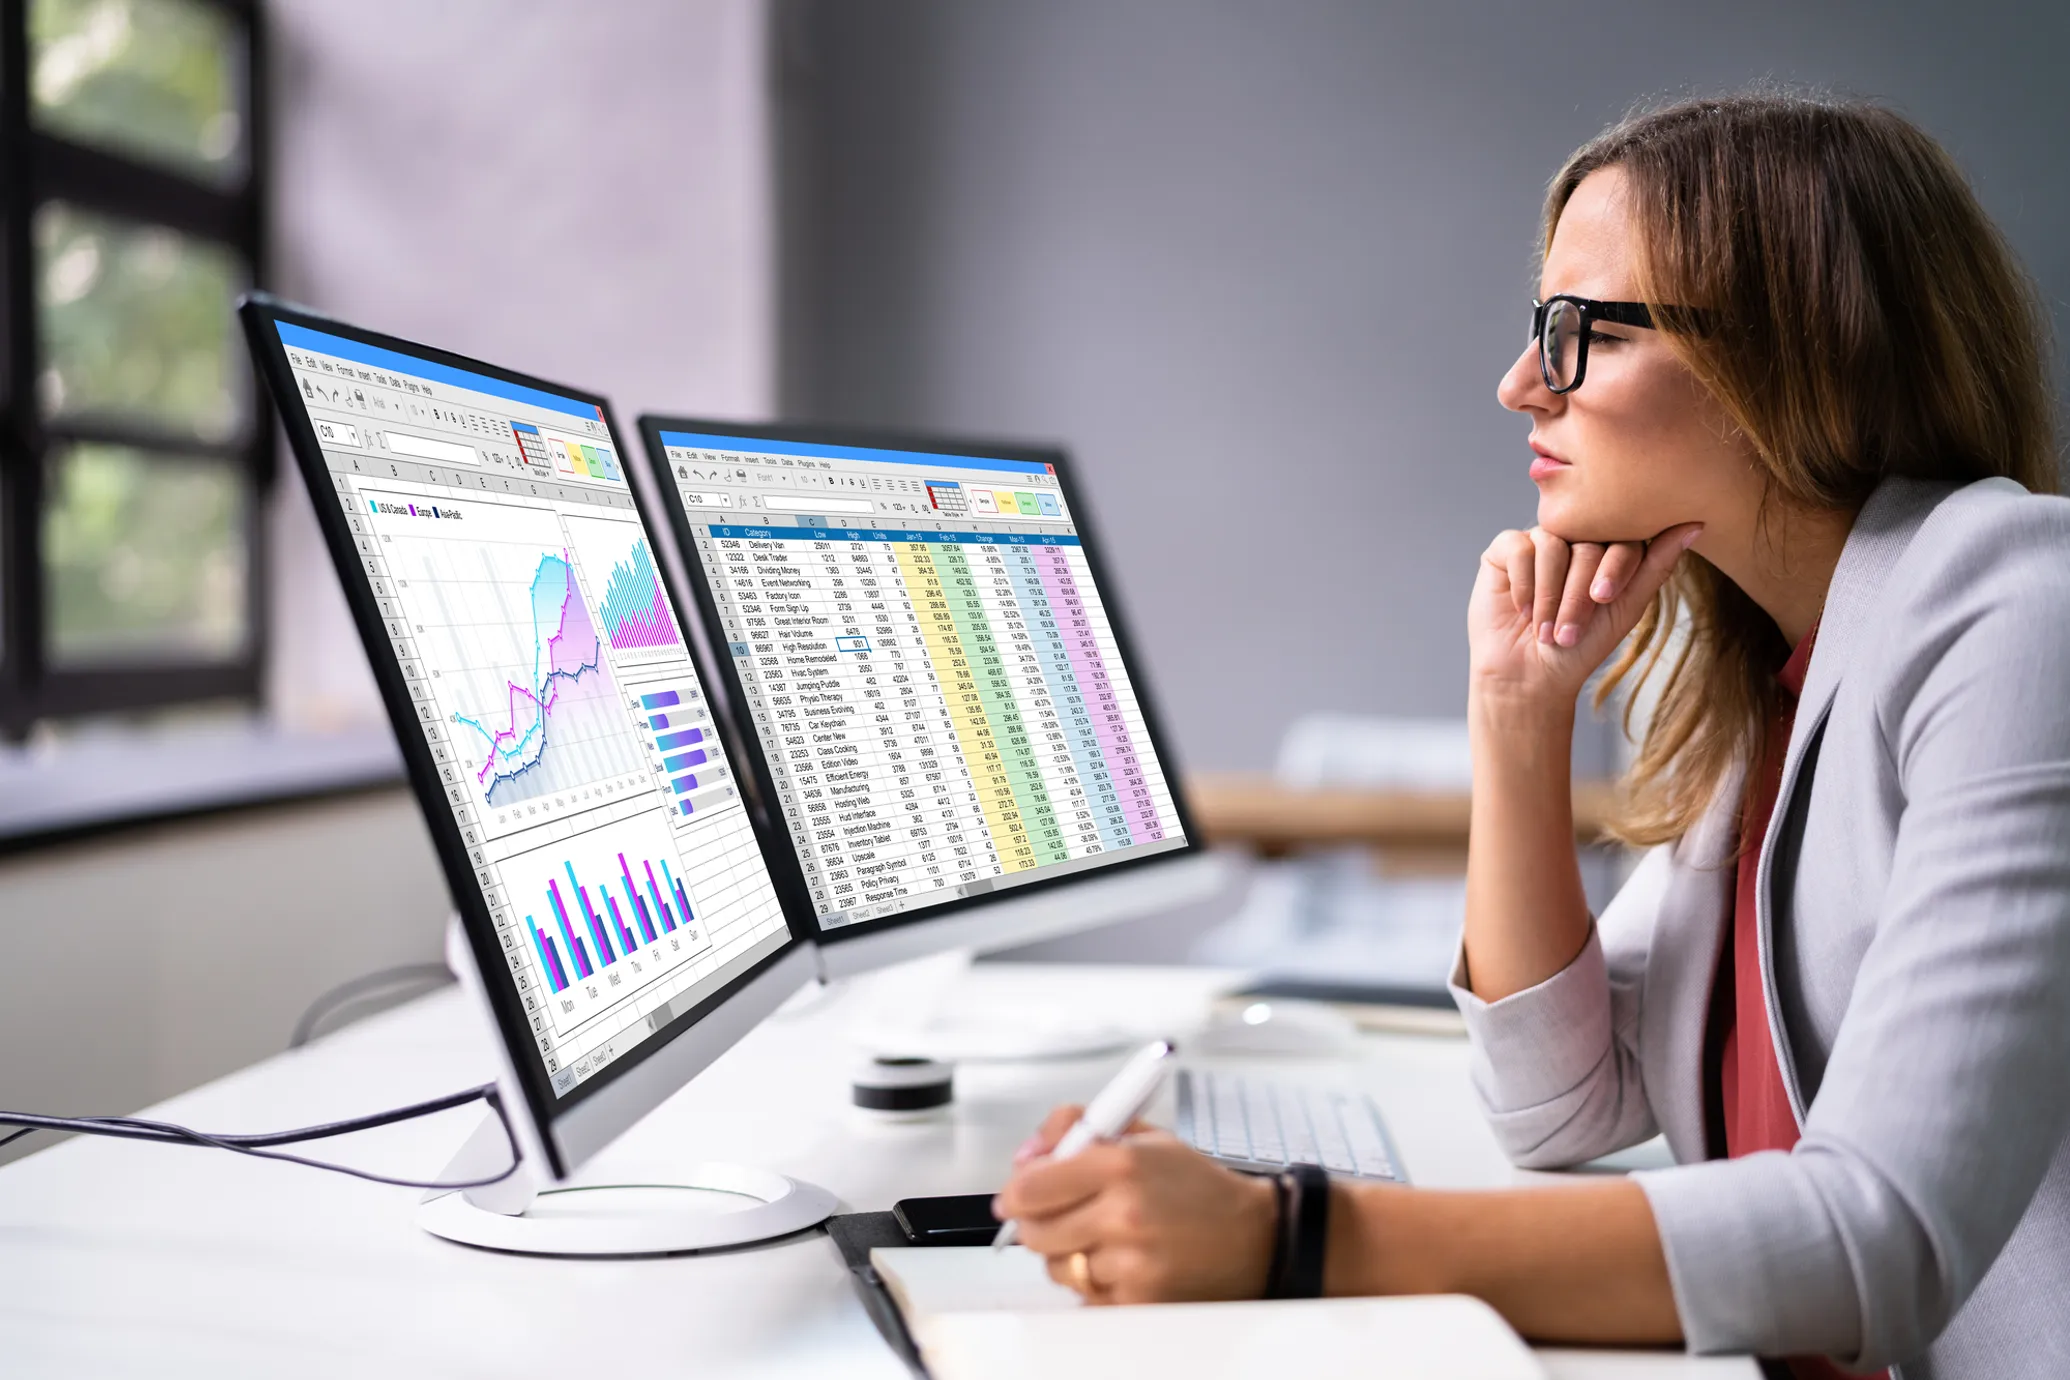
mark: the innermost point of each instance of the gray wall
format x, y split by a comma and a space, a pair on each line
1260, 265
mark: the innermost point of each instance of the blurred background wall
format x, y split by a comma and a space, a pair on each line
578, 191
1260, 266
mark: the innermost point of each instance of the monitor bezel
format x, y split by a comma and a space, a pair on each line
651, 427
260, 313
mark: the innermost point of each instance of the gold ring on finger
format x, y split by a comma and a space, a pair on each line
1081, 1272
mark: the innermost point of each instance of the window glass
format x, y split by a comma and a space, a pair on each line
151, 79
136, 323
145, 556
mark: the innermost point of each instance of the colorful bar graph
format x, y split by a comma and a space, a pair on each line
686, 807
669, 742
683, 785
676, 889
634, 612
582, 965
627, 940
654, 890
657, 721
549, 960
633, 899
682, 763
589, 916
660, 701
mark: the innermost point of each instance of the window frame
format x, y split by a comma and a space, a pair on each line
38, 166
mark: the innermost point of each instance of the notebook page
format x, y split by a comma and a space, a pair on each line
1451, 1337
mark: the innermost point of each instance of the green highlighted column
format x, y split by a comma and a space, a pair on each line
988, 666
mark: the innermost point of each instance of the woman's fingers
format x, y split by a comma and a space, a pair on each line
1575, 602
1661, 554
1620, 561
1549, 578
1048, 1134
1512, 557
1044, 1189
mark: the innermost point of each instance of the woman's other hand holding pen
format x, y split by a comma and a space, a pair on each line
1156, 1222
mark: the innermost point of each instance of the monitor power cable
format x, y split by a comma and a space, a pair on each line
259, 1144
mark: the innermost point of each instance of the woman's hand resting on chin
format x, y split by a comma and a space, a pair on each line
1546, 613
1157, 1222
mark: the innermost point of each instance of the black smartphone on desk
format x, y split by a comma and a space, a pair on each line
962, 1220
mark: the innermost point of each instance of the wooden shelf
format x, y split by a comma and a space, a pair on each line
1257, 811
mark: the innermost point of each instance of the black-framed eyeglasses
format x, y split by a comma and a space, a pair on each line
1562, 325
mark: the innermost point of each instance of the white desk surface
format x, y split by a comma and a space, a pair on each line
121, 1259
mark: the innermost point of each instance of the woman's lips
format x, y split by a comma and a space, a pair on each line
1543, 466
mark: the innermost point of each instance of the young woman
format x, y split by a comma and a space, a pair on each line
1790, 427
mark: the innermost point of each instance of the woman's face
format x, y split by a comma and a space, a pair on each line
1640, 446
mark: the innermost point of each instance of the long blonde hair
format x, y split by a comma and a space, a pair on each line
1858, 317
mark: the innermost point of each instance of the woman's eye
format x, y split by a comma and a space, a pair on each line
1598, 338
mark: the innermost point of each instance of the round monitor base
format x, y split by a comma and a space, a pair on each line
711, 1207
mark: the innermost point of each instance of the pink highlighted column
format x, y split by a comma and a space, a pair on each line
1091, 669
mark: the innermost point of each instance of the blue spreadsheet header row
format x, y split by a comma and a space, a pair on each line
395, 362
762, 445
856, 534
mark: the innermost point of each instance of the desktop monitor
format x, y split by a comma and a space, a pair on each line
946, 719
617, 910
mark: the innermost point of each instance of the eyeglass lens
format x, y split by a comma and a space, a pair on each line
1559, 347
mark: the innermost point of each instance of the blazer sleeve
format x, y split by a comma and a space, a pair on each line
1945, 1098
1556, 1066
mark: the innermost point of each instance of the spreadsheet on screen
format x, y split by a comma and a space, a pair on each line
929, 666
553, 687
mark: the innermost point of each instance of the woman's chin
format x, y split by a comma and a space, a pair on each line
1578, 522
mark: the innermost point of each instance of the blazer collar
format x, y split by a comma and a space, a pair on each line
1882, 530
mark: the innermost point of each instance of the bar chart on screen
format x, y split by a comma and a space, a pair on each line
610, 919
632, 612
685, 747
516, 660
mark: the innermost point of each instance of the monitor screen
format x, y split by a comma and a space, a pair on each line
938, 688
502, 547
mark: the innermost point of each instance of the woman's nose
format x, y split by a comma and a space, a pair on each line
1523, 388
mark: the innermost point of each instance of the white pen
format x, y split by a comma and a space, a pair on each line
1110, 1111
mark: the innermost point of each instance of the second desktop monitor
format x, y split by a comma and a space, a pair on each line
918, 637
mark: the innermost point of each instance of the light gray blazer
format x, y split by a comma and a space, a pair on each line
1914, 907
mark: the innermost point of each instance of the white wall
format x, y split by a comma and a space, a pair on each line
577, 191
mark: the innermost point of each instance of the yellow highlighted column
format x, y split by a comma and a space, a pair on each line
953, 670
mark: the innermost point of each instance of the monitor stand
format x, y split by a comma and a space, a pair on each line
701, 1208
706, 1207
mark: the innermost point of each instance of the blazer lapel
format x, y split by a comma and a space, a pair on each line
1882, 531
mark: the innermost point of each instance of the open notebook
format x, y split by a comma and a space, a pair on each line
999, 1316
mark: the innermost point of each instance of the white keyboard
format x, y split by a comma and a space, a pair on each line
1260, 1126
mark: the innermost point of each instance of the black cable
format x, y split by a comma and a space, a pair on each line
171, 1133
362, 988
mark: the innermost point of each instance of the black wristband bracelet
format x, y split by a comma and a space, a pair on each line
1304, 1232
